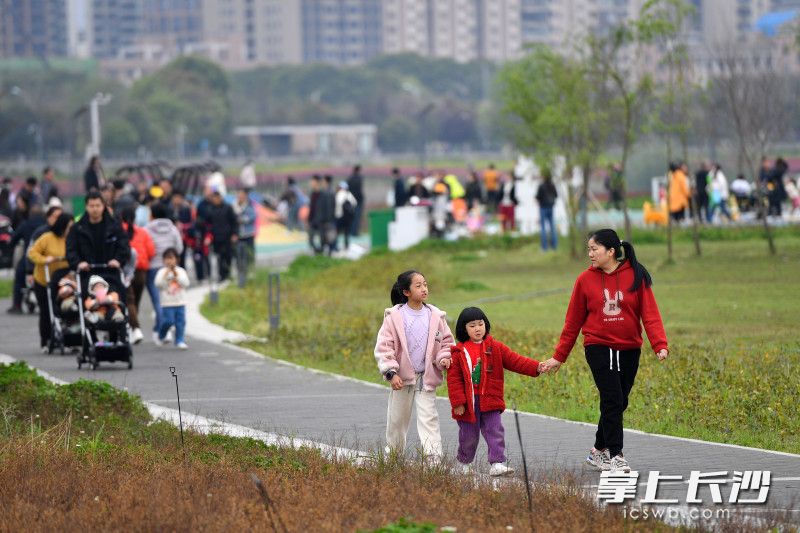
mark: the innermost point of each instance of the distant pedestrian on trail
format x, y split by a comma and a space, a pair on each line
475, 385
344, 211
164, 235
172, 282
413, 347
679, 192
356, 184
93, 178
50, 249
224, 228
609, 303
399, 183
546, 195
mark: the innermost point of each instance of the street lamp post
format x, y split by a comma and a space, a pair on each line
94, 121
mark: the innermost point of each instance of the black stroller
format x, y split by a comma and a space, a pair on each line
117, 346
64, 323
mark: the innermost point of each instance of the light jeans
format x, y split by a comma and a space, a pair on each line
398, 418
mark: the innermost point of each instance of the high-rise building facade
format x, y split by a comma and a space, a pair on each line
344, 32
113, 25
33, 28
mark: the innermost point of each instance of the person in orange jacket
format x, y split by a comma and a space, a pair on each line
679, 192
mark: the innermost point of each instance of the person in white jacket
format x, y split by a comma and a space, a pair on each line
718, 193
344, 212
172, 282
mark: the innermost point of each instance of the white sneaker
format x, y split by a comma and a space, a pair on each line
601, 460
500, 469
137, 336
44, 349
182, 346
169, 337
157, 341
619, 464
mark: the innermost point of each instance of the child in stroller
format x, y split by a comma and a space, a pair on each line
102, 304
67, 290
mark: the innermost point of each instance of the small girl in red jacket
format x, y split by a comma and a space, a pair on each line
475, 386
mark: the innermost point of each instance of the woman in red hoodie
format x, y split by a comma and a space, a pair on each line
610, 302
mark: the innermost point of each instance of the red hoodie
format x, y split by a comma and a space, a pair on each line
495, 357
609, 314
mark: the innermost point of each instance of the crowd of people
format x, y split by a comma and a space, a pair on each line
148, 230
710, 198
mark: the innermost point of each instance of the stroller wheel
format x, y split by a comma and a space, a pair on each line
94, 365
31, 308
130, 358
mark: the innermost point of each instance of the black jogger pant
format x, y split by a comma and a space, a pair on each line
614, 372
45, 328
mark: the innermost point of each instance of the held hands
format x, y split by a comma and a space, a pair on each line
662, 354
113, 263
444, 363
458, 411
551, 365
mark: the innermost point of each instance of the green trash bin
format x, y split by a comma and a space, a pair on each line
379, 226
78, 205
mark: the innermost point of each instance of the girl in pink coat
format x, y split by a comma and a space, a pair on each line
412, 349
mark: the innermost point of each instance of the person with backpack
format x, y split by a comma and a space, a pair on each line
344, 212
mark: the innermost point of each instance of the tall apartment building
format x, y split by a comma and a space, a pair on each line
555, 23
463, 30
344, 32
113, 25
33, 28
254, 31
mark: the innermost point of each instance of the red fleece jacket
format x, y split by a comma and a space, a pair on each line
609, 314
495, 357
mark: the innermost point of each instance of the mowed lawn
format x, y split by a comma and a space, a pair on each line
731, 317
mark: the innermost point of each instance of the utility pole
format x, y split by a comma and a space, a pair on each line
94, 121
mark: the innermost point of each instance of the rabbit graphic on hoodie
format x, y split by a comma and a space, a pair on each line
603, 307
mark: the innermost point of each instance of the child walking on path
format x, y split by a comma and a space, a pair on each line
610, 302
413, 347
172, 282
475, 384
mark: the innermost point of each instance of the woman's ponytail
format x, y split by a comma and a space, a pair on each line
403, 283
640, 273
608, 238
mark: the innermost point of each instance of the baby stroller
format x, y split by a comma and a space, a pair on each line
117, 346
65, 325
6, 252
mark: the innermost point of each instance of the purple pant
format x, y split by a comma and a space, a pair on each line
491, 426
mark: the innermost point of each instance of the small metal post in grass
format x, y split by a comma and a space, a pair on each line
274, 284
180, 416
213, 271
269, 505
524, 467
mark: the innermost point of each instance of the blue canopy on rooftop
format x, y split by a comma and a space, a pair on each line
771, 22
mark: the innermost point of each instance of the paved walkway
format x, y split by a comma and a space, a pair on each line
225, 382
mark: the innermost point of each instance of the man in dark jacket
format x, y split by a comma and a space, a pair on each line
356, 185
700, 190
224, 226
97, 238
399, 188
23, 235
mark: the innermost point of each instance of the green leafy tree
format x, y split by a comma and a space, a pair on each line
553, 111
